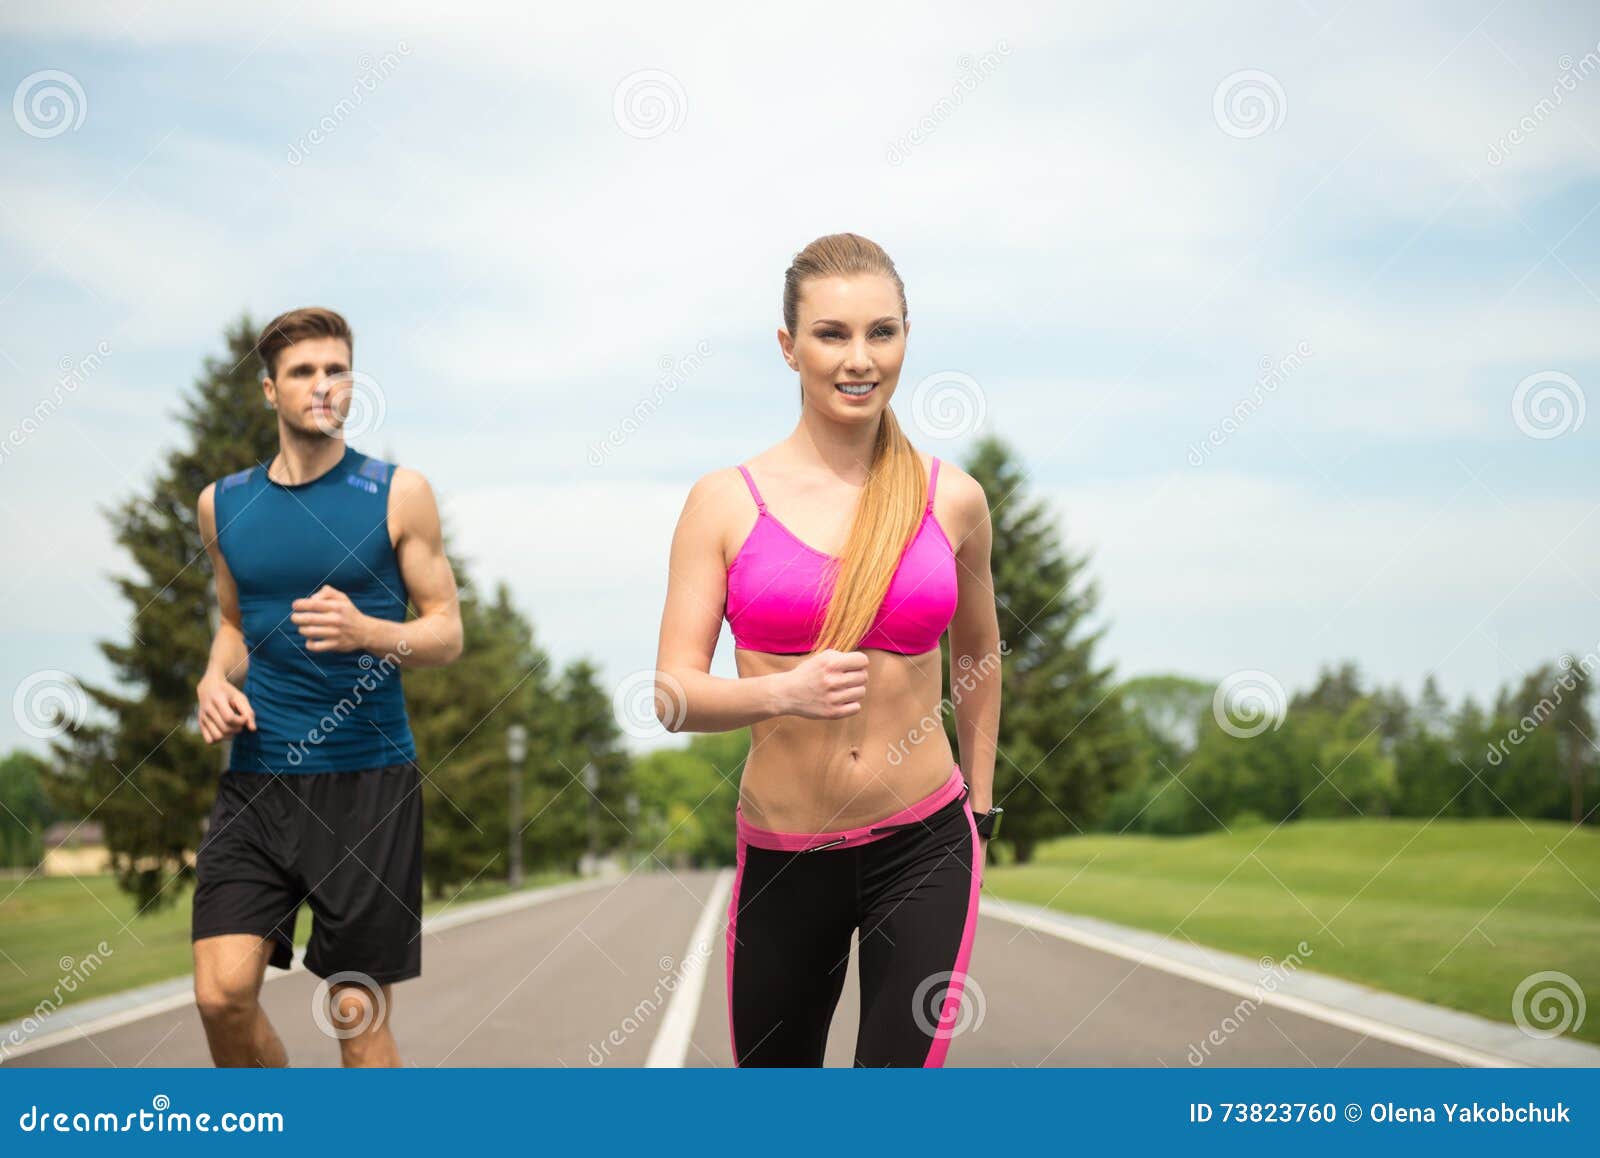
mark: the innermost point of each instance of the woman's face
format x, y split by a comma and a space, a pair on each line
848, 344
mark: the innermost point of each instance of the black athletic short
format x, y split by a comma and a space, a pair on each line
350, 843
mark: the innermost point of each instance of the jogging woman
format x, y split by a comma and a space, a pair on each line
841, 557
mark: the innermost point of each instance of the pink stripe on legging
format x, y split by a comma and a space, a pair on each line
949, 1011
733, 917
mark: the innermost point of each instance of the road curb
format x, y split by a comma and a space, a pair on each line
1464, 1038
81, 1019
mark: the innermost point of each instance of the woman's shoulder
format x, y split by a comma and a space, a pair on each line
958, 499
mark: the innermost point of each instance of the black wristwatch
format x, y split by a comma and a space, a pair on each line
988, 822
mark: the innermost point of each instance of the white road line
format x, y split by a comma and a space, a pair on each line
1042, 923
450, 918
671, 1045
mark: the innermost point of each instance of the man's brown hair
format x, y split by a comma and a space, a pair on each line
286, 329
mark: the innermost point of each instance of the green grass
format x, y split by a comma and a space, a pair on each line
1453, 912
48, 919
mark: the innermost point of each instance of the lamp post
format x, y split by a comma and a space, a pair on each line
632, 805
516, 752
591, 781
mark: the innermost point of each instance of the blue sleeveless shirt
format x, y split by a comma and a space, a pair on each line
323, 711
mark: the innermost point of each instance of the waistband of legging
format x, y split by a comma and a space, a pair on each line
952, 788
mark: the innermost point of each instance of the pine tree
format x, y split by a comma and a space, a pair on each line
460, 715
139, 764
25, 810
577, 817
1066, 742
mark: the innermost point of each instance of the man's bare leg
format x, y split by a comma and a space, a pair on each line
228, 971
360, 1015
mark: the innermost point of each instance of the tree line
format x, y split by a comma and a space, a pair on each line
1079, 750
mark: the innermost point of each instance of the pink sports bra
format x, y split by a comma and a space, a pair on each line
779, 589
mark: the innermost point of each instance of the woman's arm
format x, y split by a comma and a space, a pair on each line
688, 698
975, 643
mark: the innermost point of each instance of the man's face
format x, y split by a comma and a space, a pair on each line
312, 387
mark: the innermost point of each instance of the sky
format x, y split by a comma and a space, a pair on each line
1291, 312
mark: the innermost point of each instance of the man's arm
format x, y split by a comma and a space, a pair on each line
331, 622
223, 707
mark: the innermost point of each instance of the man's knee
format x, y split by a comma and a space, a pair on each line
221, 1003
358, 1012
227, 979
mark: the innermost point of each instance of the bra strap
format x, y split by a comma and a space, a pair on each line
933, 475
754, 493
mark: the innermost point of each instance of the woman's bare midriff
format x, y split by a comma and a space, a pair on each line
807, 775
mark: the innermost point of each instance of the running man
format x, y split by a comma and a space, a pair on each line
316, 555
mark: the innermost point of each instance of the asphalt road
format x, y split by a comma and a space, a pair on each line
590, 979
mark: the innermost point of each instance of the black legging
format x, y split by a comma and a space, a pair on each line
907, 883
